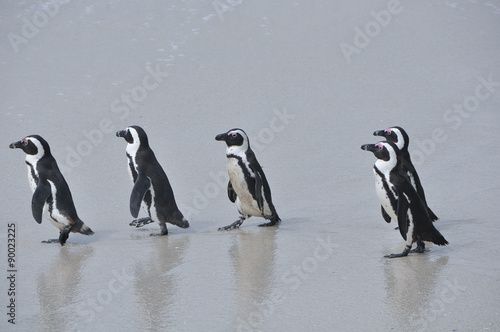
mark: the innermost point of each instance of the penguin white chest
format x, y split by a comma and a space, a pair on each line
245, 201
383, 195
32, 173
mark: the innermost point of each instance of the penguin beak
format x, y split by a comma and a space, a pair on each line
221, 137
15, 145
380, 133
121, 133
369, 147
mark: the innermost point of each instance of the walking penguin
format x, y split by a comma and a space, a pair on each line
399, 136
400, 200
151, 188
247, 185
51, 194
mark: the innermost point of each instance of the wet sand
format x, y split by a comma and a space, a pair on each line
309, 82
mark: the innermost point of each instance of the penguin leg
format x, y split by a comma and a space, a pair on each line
274, 220
403, 254
141, 222
163, 230
63, 236
234, 225
420, 247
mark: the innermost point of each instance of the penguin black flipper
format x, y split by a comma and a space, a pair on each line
141, 186
231, 193
258, 189
411, 173
402, 212
386, 217
42, 192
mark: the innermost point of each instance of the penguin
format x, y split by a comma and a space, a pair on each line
247, 186
400, 200
51, 193
151, 188
399, 136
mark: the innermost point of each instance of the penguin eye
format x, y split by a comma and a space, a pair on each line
233, 134
24, 141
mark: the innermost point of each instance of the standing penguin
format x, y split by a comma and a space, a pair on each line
151, 186
400, 200
247, 185
51, 193
399, 136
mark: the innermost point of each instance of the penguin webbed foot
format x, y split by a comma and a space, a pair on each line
234, 225
140, 222
163, 231
403, 254
51, 241
274, 221
420, 248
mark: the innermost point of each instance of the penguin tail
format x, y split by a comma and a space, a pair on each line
185, 223
436, 238
85, 230
80, 227
179, 220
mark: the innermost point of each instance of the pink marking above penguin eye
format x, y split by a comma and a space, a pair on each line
24, 141
232, 133
388, 130
379, 145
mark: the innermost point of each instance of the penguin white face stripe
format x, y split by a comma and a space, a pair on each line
401, 141
32, 159
133, 147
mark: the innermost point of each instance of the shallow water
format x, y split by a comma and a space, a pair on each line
185, 73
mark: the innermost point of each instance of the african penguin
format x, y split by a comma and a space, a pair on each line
247, 185
51, 193
399, 136
151, 188
400, 200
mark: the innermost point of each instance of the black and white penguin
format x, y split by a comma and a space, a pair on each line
247, 185
51, 193
151, 188
399, 136
400, 200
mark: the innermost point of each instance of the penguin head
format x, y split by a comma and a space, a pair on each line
134, 135
385, 151
33, 145
235, 138
397, 135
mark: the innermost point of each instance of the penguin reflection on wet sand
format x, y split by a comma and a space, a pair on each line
247, 186
51, 193
400, 200
151, 188
399, 136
